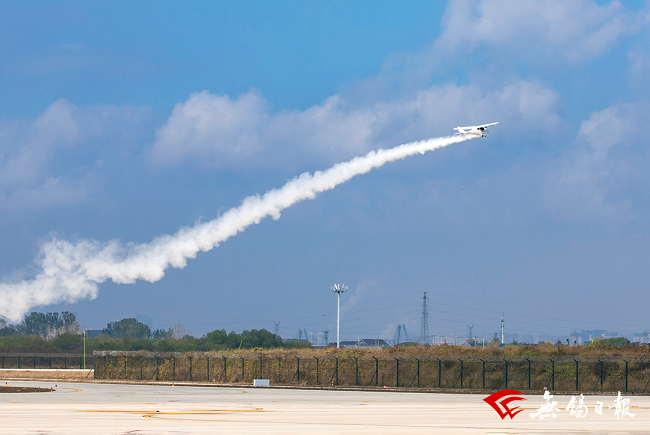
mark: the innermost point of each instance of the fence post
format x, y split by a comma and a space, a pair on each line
225, 369
506, 373
242, 369
576, 374
190, 369
483, 361
157, 369
317, 380
356, 371
625, 375
528, 373
141, 365
207, 369
173, 368
601, 375
34, 361
298, 368
439, 372
259, 373
396, 372
80, 362
553, 375
376, 371
418, 372
336, 370
279, 367
50, 365
3, 361
124, 367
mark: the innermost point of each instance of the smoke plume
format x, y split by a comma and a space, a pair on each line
70, 271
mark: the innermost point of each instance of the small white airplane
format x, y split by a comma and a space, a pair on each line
476, 130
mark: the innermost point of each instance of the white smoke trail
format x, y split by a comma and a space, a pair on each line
72, 271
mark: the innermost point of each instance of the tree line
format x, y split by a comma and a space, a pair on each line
60, 332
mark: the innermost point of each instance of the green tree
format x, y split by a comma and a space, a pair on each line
159, 334
127, 328
33, 324
6, 329
217, 337
260, 338
67, 341
48, 325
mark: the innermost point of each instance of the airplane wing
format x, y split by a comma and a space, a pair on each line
486, 125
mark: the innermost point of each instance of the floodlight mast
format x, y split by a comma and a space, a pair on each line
338, 289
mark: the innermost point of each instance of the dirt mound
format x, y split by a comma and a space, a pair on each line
8, 389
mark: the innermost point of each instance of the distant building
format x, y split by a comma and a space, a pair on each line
448, 339
641, 337
318, 338
586, 335
92, 333
527, 339
366, 343
314, 338
509, 338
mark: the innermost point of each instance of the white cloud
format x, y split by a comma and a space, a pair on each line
583, 185
207, 123
574, 31
224, 131
488, 42
29, 177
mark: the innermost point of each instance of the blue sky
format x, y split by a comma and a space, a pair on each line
126, 122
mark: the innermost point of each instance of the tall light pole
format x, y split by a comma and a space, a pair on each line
338, 289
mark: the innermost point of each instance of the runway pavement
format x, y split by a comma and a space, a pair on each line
85, 408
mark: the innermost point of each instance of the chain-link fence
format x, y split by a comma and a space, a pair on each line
607, 373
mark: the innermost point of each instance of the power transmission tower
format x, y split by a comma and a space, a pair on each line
469, 334
277, 327
424, 329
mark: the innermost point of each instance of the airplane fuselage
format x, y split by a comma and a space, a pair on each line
478, 130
